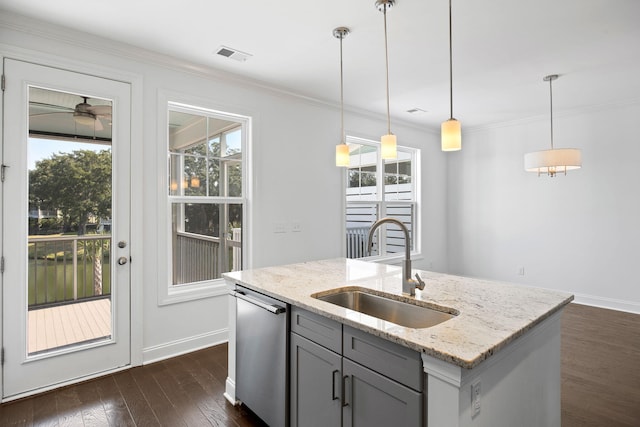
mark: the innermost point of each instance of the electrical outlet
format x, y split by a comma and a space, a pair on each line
475, 398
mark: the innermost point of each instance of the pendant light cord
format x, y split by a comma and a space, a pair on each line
386, 55
450, 65
341, 95
551, 109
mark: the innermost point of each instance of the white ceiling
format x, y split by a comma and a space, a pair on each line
502, 49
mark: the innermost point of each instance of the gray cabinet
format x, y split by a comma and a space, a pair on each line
316, 383
372, 399
343, 376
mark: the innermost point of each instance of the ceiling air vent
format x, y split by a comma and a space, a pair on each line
233, 53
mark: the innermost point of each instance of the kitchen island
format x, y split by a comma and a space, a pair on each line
495, 363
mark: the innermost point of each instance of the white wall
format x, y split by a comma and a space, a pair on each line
579, 233
294, 177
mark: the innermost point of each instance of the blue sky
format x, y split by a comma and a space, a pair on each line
43, 148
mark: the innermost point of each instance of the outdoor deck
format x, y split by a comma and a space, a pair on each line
68, 324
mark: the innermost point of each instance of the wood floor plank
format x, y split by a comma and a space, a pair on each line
113, 402
65, 319
69, 408
45, 409
93, 413
136, 402
206, 395
160, 404
600, 369
18, 413
178, 392
83, 329
213, 362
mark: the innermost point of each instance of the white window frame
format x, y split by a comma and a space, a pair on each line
168, 293
382, 204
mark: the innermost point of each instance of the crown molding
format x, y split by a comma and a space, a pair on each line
102, 45
596, 108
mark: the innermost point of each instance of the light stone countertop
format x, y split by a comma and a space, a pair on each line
491, 314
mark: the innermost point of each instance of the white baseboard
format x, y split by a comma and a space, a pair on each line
230, 391
610, 303
185, 345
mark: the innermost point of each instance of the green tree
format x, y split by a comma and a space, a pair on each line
77, 184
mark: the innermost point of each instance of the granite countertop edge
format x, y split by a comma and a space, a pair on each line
387, 279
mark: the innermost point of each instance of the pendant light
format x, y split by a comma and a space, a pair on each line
388, 142
450, 132
342, 149
556, 159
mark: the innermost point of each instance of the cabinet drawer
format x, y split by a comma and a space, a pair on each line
319, 329
391, 360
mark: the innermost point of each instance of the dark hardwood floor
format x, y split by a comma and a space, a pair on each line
600, 385
600, 368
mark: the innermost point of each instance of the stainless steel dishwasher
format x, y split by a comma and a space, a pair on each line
262, 356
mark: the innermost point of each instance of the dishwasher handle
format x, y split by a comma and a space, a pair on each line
275, 309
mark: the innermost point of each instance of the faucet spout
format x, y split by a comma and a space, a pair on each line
409, 285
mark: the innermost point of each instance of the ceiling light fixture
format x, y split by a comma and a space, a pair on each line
82, 115
388, 142
450, 131
342, 149
556, 159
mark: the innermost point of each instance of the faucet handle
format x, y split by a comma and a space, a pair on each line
420, 284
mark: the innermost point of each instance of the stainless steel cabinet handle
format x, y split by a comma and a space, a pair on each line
345, 391
333, 384
275, 309
122, 260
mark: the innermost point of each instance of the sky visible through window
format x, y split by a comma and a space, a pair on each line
233, 140
40, 149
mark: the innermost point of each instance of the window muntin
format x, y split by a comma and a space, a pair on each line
205, 176
377, 188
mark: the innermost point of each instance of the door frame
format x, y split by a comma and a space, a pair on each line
136, 187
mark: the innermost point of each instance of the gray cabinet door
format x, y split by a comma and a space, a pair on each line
315, 384
373, 400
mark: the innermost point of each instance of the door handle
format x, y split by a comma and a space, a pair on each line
122, 260
275, 309
333, 385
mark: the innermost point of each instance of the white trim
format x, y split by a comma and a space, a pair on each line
99, 44
381, 202
132, 335
608, 303
182, 346
2, 202
167, 292
136, 152
230, 392
65, 383
450, 374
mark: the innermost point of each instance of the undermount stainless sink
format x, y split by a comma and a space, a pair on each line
401, 313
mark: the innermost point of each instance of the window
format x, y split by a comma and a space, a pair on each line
205, 194
375, 189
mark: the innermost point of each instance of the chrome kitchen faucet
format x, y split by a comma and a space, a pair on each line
409, 285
